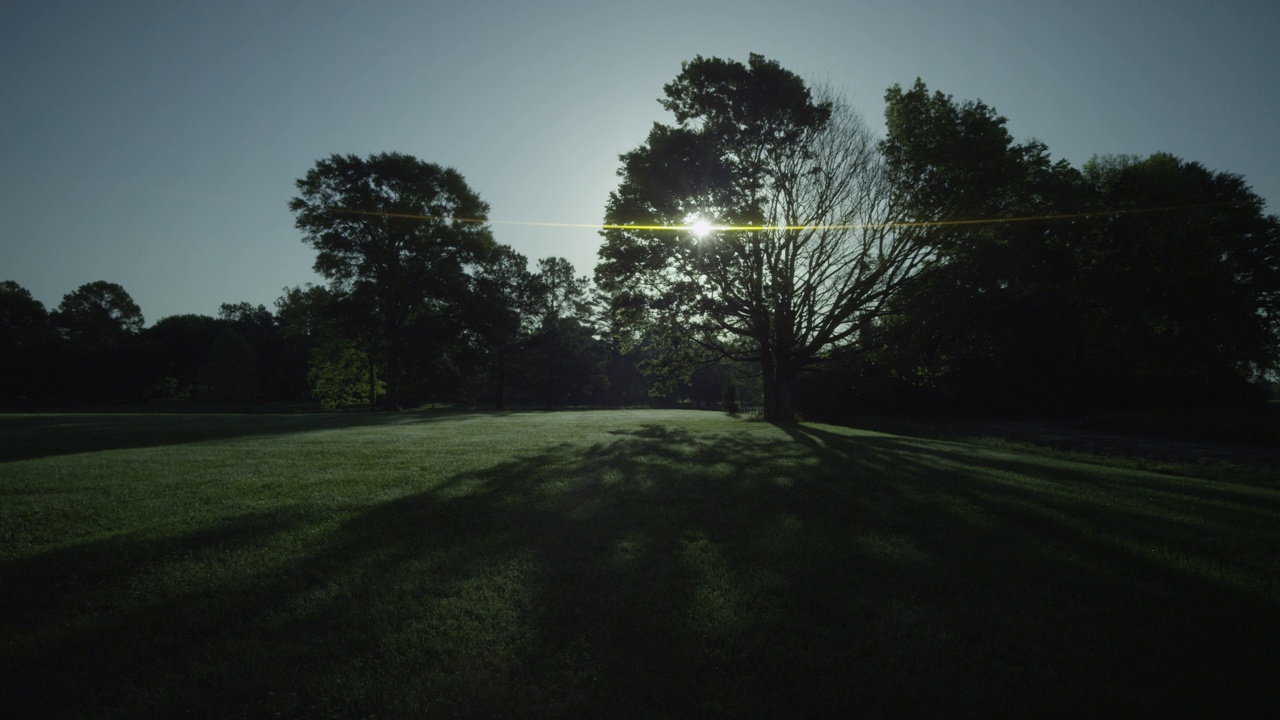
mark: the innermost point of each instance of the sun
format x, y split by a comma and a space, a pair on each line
700, 228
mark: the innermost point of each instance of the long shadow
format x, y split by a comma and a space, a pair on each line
663, 573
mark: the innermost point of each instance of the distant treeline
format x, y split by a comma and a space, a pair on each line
94, 351
999, 281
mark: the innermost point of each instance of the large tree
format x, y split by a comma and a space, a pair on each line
100, 312
329, 366
23, 319
1134, 282
26, 336
1184, 270
568, 355
101, 324
177, 346
753, 147
500, 317
532, 332
992, 320
395, 238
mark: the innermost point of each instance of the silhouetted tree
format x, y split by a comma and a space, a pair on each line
306, 320
1183, 268
753, 146
279, 369
177, 346
564, 342
1135, 282
625, 382
23, 319
305, 312
992, 320
500, 316
100, 313
100, 323
395, 238
26, 340
730, 397
229, 373
335, 370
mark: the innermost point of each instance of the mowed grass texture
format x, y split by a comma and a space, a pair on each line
615, 564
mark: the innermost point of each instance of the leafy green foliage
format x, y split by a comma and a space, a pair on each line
731, 398
339, 375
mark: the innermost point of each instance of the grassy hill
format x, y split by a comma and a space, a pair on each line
616, 564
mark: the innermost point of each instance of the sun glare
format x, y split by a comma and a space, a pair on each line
700, 228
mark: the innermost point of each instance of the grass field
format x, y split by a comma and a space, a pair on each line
616, 564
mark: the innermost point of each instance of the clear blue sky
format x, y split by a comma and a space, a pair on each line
155, 144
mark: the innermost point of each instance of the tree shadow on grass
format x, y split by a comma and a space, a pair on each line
796, 572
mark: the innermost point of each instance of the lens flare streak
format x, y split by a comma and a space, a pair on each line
702, 228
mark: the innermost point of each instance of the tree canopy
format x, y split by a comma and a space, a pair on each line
1130, 282
753, 147
99, 312
395, 237
25, 335
23, 319
1185, 267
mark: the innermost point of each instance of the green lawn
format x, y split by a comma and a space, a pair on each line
616, 564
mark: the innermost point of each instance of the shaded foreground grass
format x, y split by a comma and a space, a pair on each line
615, 564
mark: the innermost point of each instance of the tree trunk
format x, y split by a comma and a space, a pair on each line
373, 383
779, 389
502, 382
552, 352
391, 382
551, 383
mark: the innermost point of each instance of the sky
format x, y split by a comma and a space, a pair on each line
156, 144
